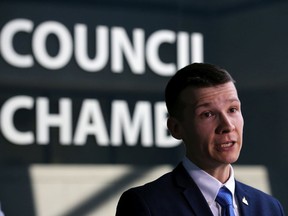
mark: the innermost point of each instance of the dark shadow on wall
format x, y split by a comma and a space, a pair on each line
101, 197
278, 180
16, 191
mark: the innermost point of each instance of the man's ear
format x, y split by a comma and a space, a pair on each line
174, 127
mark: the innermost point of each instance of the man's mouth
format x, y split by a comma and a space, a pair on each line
225, 146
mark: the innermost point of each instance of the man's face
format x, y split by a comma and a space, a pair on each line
211, 125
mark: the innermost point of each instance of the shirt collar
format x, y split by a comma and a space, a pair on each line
208, 185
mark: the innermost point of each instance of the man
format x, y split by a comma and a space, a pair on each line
205, 112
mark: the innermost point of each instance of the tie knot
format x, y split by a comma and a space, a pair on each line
224, 197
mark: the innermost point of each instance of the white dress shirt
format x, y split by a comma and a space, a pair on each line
209, 186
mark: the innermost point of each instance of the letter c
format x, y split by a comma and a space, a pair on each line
7, 115
6, 43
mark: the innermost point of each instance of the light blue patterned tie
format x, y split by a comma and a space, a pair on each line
224, 198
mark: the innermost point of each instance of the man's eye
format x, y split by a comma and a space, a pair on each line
233, 110
207, 114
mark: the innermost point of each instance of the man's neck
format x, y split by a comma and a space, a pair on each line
221, 172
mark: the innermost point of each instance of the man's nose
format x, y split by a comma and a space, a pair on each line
225, 124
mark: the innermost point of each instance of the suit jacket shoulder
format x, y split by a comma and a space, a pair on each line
174, 193
255, 202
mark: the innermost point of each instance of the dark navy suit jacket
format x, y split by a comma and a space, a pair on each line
176, 194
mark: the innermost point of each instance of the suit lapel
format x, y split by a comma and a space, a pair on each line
191, 192
243, 199
197, 202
